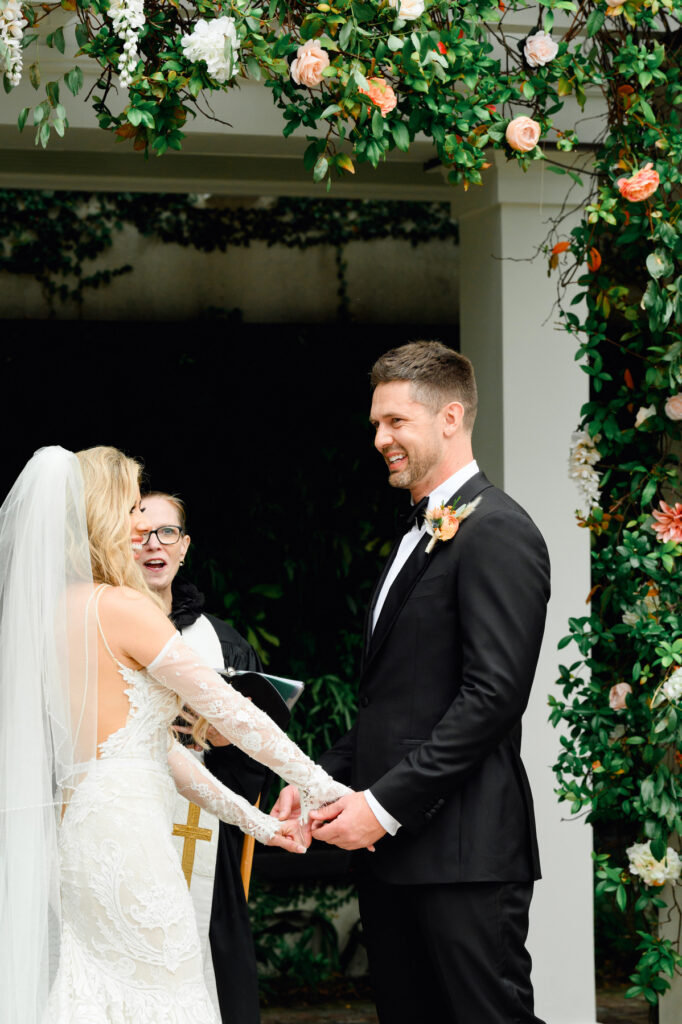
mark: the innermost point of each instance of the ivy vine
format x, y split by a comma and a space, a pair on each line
52, 236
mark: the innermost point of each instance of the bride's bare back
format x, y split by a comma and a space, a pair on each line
135, 630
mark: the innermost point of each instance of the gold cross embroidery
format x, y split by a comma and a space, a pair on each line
190, 832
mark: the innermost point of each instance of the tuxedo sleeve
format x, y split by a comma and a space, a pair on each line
338, 761
501, 592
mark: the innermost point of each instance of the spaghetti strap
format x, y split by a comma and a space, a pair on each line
99, 591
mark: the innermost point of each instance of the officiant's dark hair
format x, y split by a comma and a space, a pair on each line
437, 374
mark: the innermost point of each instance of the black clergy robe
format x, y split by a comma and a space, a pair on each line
234, 959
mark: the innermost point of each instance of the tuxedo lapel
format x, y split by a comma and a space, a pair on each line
409, 575
369, 615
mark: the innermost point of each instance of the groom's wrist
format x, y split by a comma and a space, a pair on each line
385, 819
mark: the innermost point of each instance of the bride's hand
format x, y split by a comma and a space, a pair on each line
292, 837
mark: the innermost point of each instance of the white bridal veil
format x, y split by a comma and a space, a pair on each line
48, 720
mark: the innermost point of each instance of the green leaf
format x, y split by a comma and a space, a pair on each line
59, 39
82, 34
74, 80
21, 120
43, 134
658, 849
34, 76
320, 168
377, 124
594, 23
394, 43
134, 116
333, 108
659, 263
647, 111
345, 34
253, 68
621, 898
52, 90
401, 135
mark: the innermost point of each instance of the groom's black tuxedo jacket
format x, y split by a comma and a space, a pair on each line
446, 676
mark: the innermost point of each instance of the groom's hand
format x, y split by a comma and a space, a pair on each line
288, 804
347, 823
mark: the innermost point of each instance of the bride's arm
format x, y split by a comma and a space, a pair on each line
148, 638
197, 784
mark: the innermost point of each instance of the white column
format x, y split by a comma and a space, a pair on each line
670, 923
531, 391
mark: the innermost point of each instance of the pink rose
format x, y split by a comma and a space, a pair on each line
673, 407
523, 134
540, 49
618, 695
311, 60
640, 186
381, 94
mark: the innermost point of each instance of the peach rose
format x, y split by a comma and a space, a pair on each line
540, 49
448, 529
311, 60
523, 134
640, 186
618, 696
673, 407
381, 95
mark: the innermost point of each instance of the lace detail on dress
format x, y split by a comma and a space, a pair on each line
178, 668
197, 784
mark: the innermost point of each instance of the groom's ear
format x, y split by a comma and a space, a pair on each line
452, 416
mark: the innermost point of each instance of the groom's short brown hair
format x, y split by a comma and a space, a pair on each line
438, 375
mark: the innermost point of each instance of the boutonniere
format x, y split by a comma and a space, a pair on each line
443, 521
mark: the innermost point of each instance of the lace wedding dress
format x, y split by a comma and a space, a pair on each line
130, 951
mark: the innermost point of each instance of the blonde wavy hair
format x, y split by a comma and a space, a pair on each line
111, 483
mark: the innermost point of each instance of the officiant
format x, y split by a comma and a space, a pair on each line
232, 960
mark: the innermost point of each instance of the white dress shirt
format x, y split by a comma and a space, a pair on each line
409, 542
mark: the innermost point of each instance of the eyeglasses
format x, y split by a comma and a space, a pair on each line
165, 535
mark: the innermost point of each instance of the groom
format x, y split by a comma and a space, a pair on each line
452, 637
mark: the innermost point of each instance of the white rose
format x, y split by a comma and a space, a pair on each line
672, 687
408, 10
643, 414
207, 41
540, 49
653, 872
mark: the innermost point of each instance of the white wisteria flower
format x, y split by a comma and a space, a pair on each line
582, 459
654, 872
12, 25
127, 17
408, 10
216, 43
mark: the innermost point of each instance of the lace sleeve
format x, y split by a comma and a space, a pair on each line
179, 668
197, 784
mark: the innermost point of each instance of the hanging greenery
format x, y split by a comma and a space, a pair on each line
621, 756
365, 77
55, 236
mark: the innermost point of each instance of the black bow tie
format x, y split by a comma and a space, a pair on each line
406, 520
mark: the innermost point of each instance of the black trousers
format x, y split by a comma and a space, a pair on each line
449, 954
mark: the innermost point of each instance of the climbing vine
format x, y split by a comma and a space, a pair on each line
55, 236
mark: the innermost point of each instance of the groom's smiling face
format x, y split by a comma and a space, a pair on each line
408, 437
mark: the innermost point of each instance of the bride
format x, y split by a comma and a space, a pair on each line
96, 921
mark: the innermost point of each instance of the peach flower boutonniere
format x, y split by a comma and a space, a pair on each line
443, 521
